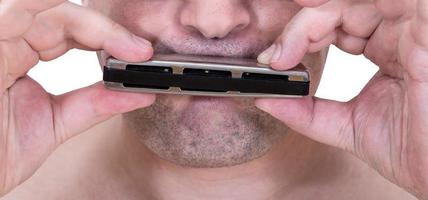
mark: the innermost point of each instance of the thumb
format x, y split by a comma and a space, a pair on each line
79, 110
325, 121
311, 30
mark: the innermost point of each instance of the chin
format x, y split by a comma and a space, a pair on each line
205, 132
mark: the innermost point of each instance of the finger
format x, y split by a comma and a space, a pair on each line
361, 19
91, 30
15, 58
420, 25
79, 110
314, 29
310, 3
100, 32
61, 49
17, 15
31, 6
327, 40
325, 121
311, 25
382, 48
55, 52
414, 47
351, 44
393, 9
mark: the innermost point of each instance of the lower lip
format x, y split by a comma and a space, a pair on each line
214, 103
208, 98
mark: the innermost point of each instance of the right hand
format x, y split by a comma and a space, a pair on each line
35, 123
385, 125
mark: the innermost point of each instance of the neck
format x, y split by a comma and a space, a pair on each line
292, 162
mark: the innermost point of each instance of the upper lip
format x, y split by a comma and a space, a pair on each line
226, 47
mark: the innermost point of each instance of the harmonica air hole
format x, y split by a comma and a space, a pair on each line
206, 73
267, 77
148, 69
152, 69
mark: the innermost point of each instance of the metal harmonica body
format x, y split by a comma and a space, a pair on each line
206, 76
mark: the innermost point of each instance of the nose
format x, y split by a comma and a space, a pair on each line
215, 18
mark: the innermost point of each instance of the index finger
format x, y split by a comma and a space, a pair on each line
420, 25
16, 16
31, 6
71, 25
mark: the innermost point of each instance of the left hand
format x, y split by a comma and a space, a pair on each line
386, 125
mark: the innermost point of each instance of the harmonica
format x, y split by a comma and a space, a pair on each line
205, 76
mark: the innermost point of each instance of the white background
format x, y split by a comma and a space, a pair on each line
344, 76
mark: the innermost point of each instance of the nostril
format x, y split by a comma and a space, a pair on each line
240, 27
214, 20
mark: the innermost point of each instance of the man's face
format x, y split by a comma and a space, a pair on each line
203, 131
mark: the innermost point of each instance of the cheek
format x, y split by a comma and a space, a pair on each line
148, 18
272, 16
153, 18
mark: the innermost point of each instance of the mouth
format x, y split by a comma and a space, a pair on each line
238, 77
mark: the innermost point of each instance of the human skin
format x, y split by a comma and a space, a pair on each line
200, 131
43, 31
34, 122
385, 125
281, 115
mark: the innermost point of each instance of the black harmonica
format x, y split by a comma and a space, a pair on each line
206, 76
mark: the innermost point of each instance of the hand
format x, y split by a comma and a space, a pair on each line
35, 122
386, 124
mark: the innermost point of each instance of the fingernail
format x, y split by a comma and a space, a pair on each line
142, 42
277, 54
266, 56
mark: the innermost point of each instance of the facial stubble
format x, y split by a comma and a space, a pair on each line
205, 135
